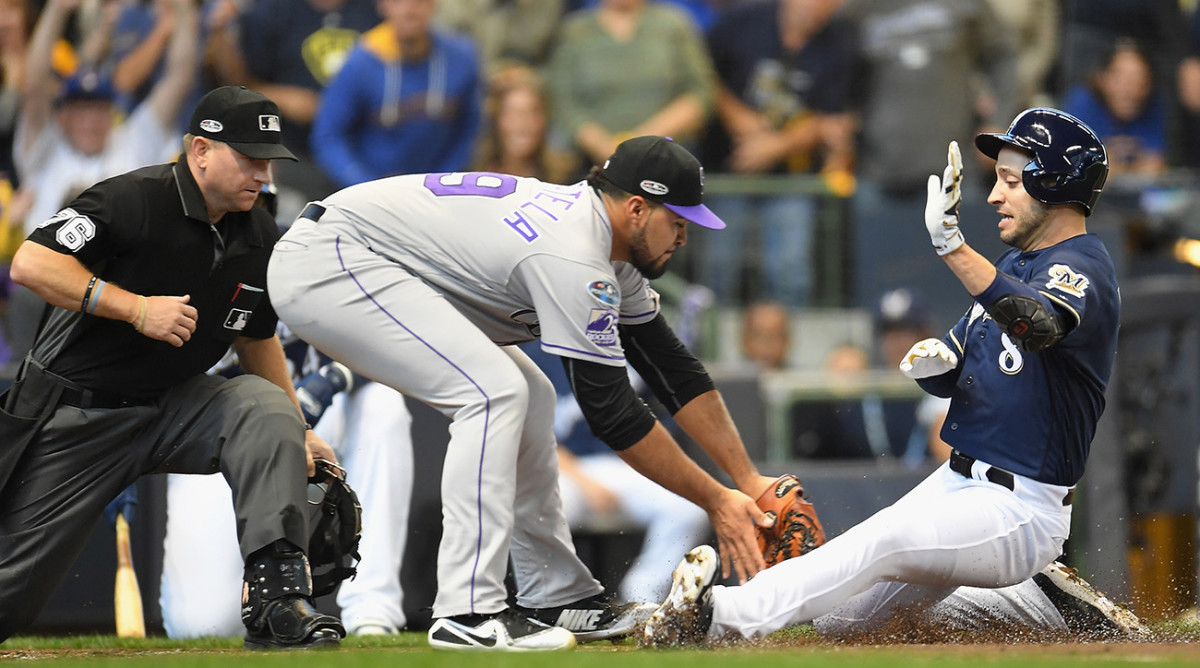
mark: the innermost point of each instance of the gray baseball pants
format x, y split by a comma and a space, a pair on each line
80, 459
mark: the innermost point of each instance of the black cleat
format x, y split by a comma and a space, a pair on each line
598, 617
277, 604
292, 622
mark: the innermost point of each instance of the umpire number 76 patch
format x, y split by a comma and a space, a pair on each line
75, 229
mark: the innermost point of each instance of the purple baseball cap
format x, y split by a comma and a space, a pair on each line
662, 171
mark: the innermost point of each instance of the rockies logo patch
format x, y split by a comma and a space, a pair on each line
602, 327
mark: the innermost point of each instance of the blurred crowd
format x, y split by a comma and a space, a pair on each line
859, 96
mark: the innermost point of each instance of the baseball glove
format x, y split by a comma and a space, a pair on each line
796, 530
336, 529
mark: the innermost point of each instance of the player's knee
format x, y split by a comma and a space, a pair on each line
264, 420
513, 394
541, 391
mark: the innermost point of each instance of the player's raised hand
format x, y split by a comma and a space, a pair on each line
928, 358
169, 319
941, 204
733, 519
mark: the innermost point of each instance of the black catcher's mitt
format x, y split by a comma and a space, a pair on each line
336, 529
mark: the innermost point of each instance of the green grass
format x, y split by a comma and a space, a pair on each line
409, 650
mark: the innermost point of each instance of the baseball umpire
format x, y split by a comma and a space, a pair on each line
150, 277
420, 281
1026, 369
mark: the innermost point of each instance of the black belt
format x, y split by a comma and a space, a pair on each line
83, 398
71, 394
313, 212
961, 464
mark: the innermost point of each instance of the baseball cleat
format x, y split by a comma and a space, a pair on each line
504, 631
686, 615
598, 617
292, 622
373, 628
277, 603
1086, 610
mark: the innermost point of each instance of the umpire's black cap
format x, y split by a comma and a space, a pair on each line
662, 171
246, 120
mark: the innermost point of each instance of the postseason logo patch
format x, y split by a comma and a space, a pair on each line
606, 293
602, 327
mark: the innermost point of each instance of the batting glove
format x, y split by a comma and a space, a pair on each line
941, 206
928, 358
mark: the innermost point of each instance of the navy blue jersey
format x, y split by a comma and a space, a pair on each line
1034, 413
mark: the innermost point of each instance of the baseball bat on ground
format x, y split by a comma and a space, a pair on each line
127, 596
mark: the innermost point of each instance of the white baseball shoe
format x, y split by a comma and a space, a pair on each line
373, 627
686, 615
504, 631
1086, 610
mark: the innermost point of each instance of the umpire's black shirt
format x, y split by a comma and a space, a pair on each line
148, 232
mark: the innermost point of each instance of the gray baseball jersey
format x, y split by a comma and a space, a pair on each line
542, 271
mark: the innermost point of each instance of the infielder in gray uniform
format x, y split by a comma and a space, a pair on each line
422, 282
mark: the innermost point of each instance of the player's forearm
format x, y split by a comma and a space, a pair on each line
658, 457
265, 358
63, 281
973, 269
50, 26
138, 65
180, 69
706, 419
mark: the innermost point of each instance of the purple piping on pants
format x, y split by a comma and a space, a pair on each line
487, 412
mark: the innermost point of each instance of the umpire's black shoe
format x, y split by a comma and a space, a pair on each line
1086, 610
277, 605
291, 622
597, 617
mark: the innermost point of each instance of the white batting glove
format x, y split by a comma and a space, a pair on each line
941, 205
928, 358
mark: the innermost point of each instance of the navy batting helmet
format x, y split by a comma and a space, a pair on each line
1069, 163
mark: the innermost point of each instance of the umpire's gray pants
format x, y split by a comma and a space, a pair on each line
246, 428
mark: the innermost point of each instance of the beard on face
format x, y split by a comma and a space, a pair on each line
1026, 225
641, 259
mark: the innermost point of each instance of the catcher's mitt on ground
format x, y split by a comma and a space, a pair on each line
796, 530
336, 529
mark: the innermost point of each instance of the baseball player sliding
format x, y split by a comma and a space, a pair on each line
421, 281
1025, 369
